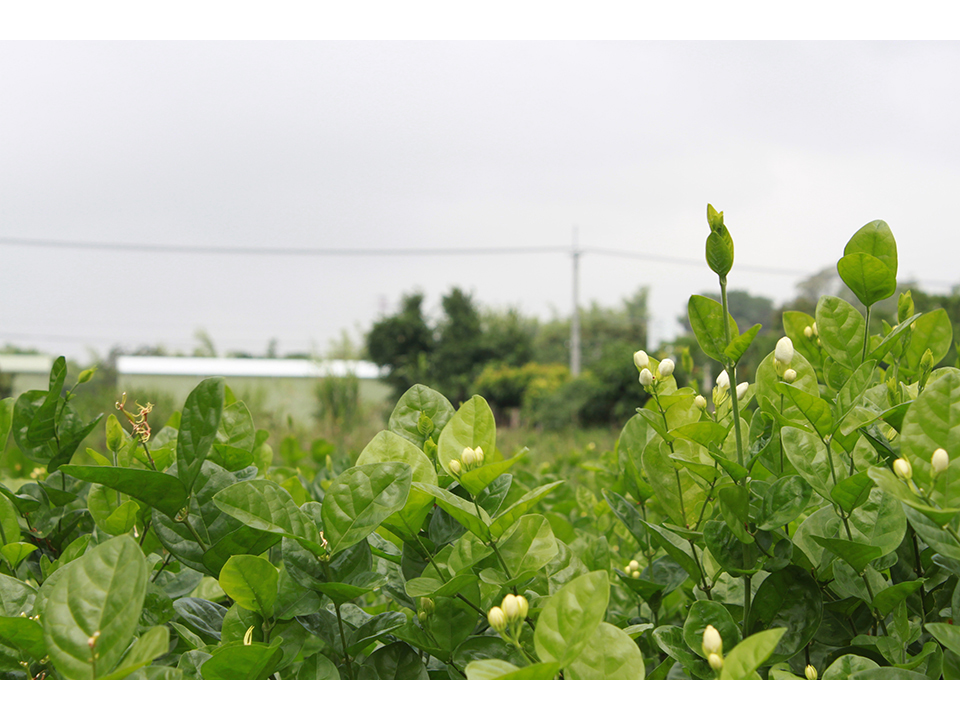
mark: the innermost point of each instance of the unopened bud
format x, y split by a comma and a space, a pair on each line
814, 328
742, 390
723, 380
92, 640
905, 306
248, 636
635, 574
468, 458
497, 620
810, 672
939, 461
423, 615
901, 466
784, 351
427, 605
666, 368
701, 402
524, 606
712, 642
634, 565
716, 662
478, 451
808, 331
641, 360
454, 468
789, 375
646, 377
511, 608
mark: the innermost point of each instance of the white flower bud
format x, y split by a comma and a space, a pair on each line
635, 574
790, 375
939, 461
454, 468
646, 377
808, 331
666, 368
497, 620
627, 570
511, 608
468, 458
634, 565
784, 351
742, 390
641, 360
723, 382
523, 605
716, 662
478, 451
810, 672
701, 402
712, 642
901, 466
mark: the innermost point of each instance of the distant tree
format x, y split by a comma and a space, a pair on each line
402, 342
508, 336
460, 352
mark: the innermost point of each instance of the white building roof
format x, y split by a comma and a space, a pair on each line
26, 363
245, 367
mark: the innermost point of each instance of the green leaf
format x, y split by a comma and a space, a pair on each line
199, 422
888, 598
738, 346
677, 548
931, 422
946, 634
378, 626
788, 599
888, 673
856, 554
735, 508
251, 582
242, 662
846, 665
318, 667
24, 634
6, 421
236, 427
719, 250
17, 552
783, 502
360, 499
9, 522
529, 547
932, 330
42, 427
477, 479
264, 505
734, 556
471, 426
708, 612
497, 669
396, 661
628, 515
706, 319
808, 455
676, 489
670, 639
815, 409
570, 617
387, 447
868, 277
610, 654
703, 433
154, 643
460, 510
505, 520
159, 490
876, 239
420, 399
852, 492
100, 595
742, 662
841, 328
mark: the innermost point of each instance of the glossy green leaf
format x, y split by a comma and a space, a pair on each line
876, 239
496, 669
505, 520
852, 492
159, 490
931, 330
888, 673
16, 596
887, 599
570, 617
815, 410
783, 502
856, 554
529, 547
706, 319
390, 447
808, 455
740, 343
264, 505
396, 661
931, 422
735, 508
750, 654
676, 489
946, 634
251, 582
794, 325
16, 552
420, 399
841, 328
846, 665
708, 612
318, 667
471, 426
42, 427
610, 654
670, 639
628, 515
734, 556
199, 422
154, 643
24, 634
868, 277
242, 662
719, 246
9, 523
236, 427
477, 479
6, 420
789, 599
100, 595
678, 548
360, 499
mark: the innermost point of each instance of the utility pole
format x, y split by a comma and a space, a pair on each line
575, 320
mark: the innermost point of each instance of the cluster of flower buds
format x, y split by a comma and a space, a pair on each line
713, 647
470, 458
507, 618
649, 377
810, 331
427, 607
633, 569
722, 389
783, 359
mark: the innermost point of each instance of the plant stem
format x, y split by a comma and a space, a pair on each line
746, 605
676, 471
426, 554
186, 521
866, 336
343, 641
165, 562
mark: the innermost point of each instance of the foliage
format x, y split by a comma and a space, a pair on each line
801, 522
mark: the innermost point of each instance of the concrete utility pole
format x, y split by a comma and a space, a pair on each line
575, 320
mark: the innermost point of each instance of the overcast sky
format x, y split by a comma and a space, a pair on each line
449, 145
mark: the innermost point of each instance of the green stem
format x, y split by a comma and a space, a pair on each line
866, 336
919, 569
426, 554
343, 641
160, 570
703, 576
676, 471
731, 371
746, 605
186, 521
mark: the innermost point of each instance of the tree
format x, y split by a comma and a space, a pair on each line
460, 352
402, 343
